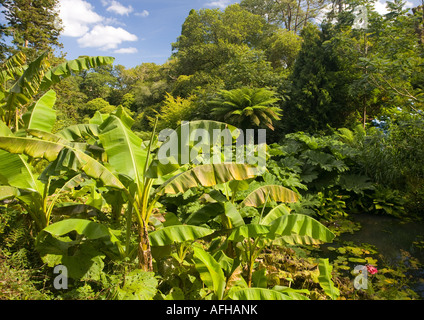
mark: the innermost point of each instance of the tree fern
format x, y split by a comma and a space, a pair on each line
247, 106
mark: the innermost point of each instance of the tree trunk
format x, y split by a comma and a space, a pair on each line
297, 16
365, 114
144, 250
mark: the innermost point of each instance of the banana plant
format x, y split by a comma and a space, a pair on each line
226, 283
17, 175
126, 170
278, 226
22, 82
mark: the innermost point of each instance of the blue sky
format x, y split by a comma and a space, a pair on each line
132, 31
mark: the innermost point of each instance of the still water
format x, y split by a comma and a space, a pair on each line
390, 236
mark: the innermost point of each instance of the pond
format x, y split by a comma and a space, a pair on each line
388, 234
392, 238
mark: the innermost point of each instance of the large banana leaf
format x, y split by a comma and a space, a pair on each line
90, 229
123, 148
204, 214
82, 258
51, 150
42, 116
295, 239
301, 225
71, 67
212, 210
233, 214
190, 130
12, 66
264, 294
210, 272
159, 171
7, 192
98, 118
274, 192
47, 136
177, 234
325, 279
275, 213
248, 231
33, 202
15, 172
27, 85
186, 138
191, 137
14, 169
80, 132
207, 175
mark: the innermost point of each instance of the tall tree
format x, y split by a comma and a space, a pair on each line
209, 37
292, 15
224, 50
34, 24
321, 83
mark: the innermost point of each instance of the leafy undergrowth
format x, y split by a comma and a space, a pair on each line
23, 277
296, 267
19, 284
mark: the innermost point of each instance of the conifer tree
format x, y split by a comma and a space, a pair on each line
34, 24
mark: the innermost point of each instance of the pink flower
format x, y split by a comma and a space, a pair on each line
371, 269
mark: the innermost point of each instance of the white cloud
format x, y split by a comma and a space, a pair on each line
126, 50
92, 30
113, 21
409, 4
76, 17
380, 6
143, 14
118, 8
105, 37
220, 3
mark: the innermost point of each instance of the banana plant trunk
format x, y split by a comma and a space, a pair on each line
144, 250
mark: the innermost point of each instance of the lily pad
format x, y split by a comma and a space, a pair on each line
358, 260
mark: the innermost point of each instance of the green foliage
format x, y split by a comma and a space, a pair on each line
292, 16
210, 272
320, 80
226, 50
392, 156
95, 197
92, 106
246, 107
174, 110
38, 76
83, 253
325, 279
138, 285
33, 24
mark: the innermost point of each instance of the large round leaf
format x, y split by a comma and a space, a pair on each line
90, 229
